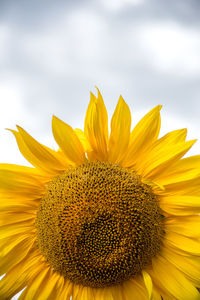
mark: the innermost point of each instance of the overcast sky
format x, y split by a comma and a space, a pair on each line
52, 53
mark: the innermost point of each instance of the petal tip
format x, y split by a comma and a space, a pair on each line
20, 129
93, 98
121, 100
11, 130
54, 118
97, 89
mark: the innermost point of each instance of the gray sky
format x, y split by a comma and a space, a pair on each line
52, 53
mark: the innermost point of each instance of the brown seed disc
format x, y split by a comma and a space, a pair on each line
98, 224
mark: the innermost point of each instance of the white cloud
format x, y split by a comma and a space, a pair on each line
171, 48
11, 113
4, 37
73, 38
116, 5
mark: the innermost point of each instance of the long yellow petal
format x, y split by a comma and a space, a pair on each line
18, 203
96, 128
16, 228
117, 292
179, 177
110, 292
77, 291
182, 244
184, 169
187, 225
142, 136
133, 290
156, 295
20, 180
148, 283
173, 281
180, 205
120, 132
34, 289
58, 289
160, 147
66, 292
159, 293
13, 217
68, 141
104, 114
61, 290
37, 154
103, 293
6, 245
188, 265
188, 187
161, 157
84, 141
86, 293
19, 251
18, 277
29, 171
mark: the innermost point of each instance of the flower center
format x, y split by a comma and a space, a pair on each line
98, 224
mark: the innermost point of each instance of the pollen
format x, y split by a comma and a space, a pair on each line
98, 224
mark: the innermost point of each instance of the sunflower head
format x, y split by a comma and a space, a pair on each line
112, 215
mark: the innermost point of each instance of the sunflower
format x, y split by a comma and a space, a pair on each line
106, 217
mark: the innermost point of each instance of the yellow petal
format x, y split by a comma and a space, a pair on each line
180, 205
85, 143
104, 114
17, 278
110, 292
148, 283
29, 171
68, 141
156, 295
20, 180
66, 291
16, 228
159, 293
56, 293
117, 292
134, 290
120, 132
103, 293
184, 169
178, 177
108, 295
42, 288
37, 154
18, 203
188, 187
6, 245
86, 293
182, 243
190, 266
170, 139
173, 281
187, 225
13, 217
142, 136
11, 257
33, 290
96, 128
162, 156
